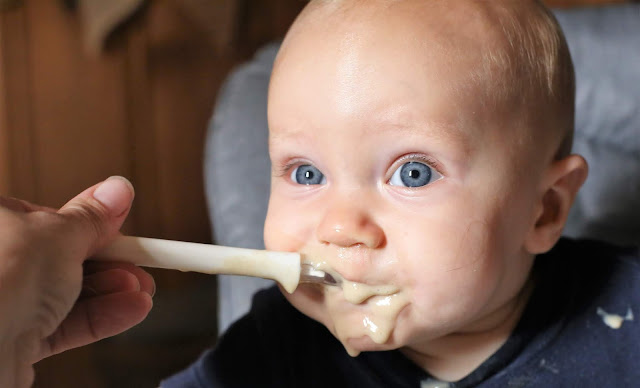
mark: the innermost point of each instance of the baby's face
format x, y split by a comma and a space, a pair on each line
393, 177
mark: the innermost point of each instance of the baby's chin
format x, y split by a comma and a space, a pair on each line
367, 326
354, 346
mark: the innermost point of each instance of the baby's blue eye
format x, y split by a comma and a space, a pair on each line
414, 174
307, 174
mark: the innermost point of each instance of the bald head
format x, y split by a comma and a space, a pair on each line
509, 55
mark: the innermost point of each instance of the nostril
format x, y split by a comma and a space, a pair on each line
349, 225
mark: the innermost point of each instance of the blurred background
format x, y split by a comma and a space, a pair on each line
93, 88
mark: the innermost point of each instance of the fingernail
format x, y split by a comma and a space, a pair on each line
153, 290
116, 194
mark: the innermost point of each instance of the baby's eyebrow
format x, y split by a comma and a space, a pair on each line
439, 131
287, 132
450, 134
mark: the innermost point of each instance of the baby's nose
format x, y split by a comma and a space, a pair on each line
346, 225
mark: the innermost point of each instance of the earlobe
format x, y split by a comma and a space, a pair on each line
563, 180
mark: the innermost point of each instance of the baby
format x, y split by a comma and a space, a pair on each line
421, 149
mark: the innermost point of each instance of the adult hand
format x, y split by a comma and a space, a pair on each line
49, 300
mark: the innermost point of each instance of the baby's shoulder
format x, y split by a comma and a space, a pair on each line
602, 281
591, 262
595, 250
271, 346
590, 293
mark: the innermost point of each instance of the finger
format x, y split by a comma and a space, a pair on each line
109, 282
96, 318
97, 213
145, 280
21, 206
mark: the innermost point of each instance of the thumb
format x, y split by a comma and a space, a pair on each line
96, 214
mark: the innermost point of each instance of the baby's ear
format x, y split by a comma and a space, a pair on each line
560, 186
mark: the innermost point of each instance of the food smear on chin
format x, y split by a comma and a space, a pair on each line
358, 310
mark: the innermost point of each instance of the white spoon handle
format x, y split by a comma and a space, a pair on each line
283, 267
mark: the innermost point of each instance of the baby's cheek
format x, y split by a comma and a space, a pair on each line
287, 227
273, 238
450, 288
473, 246
279, 235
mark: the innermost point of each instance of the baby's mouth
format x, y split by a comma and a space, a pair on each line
311, 274
354, 292
358, 293
358, 309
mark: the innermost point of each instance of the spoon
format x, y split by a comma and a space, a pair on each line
287, 268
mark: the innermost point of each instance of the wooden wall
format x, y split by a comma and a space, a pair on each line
140, 109
578, 3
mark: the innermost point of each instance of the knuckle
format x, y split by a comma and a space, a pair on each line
14, 231
93, 220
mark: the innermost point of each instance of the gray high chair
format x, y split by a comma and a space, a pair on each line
605, 44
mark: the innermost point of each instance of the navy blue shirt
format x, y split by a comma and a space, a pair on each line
561, 340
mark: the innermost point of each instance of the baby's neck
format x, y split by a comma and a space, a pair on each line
454, 356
